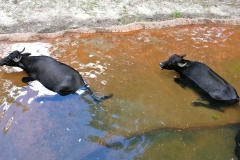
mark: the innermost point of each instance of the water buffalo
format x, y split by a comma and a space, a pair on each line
53, 74
203, 80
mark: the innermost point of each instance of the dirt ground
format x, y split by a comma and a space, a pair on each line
48, 16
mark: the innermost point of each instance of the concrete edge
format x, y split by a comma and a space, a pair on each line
17, 37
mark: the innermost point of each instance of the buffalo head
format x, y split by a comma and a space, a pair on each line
174, 62
14, 58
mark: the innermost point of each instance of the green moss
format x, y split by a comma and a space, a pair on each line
176, 14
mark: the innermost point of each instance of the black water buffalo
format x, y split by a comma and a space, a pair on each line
204, 80
53, 74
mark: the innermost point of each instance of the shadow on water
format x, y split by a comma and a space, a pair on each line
149, 117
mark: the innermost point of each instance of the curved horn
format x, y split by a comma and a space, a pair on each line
22, 50
182, 64
17, 59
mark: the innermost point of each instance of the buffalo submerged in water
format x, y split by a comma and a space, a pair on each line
54, 75
203, 80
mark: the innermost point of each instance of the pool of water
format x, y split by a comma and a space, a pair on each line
149, 116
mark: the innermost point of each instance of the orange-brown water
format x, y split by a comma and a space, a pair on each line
149, 117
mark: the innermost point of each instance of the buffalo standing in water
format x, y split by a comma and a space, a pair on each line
54, 75
203, 80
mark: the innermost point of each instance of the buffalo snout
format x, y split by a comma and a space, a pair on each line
2, 62
161, 65
165, 65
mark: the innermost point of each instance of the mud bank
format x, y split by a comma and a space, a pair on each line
30, 36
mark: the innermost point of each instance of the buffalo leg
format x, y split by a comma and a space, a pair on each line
237, 141
211, 105
27, 79
181, 82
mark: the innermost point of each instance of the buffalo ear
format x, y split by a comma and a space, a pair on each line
26, 54
182, 55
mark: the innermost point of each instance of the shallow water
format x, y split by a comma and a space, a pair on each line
149, 117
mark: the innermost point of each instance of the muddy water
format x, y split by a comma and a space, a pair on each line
149, 117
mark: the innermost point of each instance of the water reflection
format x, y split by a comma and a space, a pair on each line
146, 119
